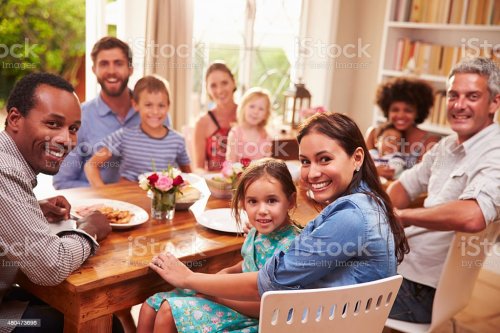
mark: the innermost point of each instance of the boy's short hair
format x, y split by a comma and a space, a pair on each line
151, 83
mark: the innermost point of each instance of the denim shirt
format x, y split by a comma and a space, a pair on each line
349, 242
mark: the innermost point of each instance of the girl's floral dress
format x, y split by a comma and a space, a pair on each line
196, 314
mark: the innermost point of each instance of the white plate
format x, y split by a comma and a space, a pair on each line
220, 219
140, 215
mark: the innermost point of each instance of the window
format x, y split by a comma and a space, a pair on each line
255, 38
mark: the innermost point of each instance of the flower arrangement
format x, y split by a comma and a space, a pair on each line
164, 181
232, 171
164, 186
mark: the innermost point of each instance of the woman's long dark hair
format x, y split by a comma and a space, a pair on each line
346, 133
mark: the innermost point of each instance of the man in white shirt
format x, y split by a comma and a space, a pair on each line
461, 175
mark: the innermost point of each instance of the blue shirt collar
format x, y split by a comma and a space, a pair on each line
103, 109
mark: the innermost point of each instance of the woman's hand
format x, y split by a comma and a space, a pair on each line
171, 269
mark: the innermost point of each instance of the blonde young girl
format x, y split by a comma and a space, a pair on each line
249, 139
266, 193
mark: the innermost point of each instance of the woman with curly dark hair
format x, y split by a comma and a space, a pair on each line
405, 103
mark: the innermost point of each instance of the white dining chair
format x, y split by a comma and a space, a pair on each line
464, 260
362, 307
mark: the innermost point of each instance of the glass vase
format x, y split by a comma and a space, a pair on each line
163, 206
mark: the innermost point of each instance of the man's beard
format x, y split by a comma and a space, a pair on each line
120, 90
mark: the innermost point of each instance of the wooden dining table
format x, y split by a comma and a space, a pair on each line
118, 277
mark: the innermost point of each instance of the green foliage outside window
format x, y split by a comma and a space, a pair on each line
40, 35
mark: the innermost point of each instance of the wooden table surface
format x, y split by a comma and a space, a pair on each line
118, 277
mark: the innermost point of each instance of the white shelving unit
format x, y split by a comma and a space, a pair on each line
457, 35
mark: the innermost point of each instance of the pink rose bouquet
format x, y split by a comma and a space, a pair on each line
164, 186
164, 181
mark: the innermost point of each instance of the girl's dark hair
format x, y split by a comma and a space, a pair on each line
271, 167
346, 133
413, 92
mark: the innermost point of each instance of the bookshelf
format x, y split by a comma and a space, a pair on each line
425, 38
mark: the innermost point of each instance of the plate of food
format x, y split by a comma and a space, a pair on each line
122, 215
220, 219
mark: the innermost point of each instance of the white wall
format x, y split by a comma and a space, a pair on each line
129, 16
318, 33
353, 90
334, 35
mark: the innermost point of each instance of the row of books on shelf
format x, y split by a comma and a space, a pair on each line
438, 114
484, 12
420, 57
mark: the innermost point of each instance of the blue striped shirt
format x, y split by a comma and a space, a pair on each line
137, 151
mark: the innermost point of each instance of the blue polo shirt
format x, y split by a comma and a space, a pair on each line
98, 121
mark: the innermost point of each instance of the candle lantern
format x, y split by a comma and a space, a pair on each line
296, 99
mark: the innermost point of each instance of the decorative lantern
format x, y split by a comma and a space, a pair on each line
296, 99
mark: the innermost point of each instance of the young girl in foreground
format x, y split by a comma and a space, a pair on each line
356, 237
249, 139
266, 192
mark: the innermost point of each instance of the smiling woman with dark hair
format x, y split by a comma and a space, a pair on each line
356, 237
405, 103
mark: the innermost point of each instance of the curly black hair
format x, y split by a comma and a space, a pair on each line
413, 92
22, 96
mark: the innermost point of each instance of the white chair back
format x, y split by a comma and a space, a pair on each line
463, 262
357, 308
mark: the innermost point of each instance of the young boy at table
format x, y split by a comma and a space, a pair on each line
151, 141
